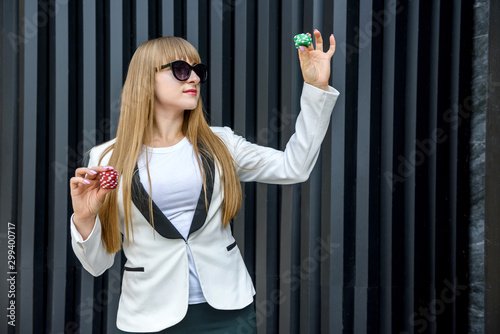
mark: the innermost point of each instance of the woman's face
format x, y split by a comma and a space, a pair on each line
173, 95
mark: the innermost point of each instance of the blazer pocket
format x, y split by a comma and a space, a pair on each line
231, 246
137, 269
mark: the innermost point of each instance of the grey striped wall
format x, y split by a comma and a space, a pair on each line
376, 241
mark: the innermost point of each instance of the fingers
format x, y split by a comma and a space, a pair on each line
319, 44
91, 173
86, 173
331, 50
76, 181
319, 40
304, 53
101, 194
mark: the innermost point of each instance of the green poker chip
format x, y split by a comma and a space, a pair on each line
302, 39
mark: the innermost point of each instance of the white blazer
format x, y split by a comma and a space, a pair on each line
155, 282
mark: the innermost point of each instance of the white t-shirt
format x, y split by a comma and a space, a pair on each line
176, 183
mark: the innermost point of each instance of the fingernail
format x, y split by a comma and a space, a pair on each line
93, 172
86, 181
301, 48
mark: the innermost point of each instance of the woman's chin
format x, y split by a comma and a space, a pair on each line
192, 106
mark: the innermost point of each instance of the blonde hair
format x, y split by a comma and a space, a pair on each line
136, 124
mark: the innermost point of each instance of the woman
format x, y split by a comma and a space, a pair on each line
179, 187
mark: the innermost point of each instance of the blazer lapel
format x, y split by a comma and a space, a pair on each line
200, 214
162, 224
140, 198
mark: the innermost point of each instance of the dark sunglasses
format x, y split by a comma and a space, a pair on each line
182, 70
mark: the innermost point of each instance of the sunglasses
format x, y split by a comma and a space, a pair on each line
182, 70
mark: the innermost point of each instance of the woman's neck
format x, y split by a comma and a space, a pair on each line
166, 133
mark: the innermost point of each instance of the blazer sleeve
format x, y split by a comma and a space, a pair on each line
91, 252
295, 163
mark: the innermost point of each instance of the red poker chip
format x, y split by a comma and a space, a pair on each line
109, 179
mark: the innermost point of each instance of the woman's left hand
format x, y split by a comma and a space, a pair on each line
315, 64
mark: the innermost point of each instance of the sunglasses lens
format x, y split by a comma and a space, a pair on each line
201, 72
181, 69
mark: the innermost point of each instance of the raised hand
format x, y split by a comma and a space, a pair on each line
315, 63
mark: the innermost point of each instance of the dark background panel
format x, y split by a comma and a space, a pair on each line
376, 241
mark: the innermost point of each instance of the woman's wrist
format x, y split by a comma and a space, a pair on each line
84, 226
83, 220
323, 87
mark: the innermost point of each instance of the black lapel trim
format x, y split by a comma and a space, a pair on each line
140, 197
200, 214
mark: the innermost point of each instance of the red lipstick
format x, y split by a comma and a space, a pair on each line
191, 91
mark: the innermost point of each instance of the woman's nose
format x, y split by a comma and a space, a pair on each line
194, 77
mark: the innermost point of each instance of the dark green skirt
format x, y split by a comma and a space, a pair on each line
202, 318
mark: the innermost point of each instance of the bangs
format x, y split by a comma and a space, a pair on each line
172, 48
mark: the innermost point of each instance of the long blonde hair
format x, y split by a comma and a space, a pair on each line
136, 124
